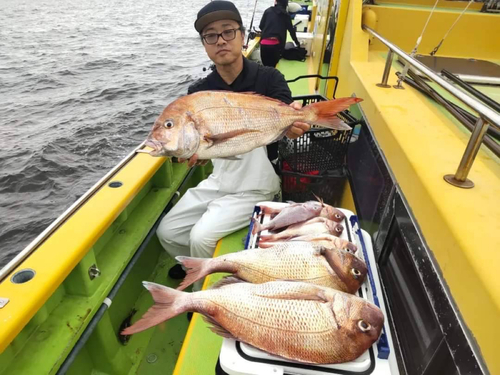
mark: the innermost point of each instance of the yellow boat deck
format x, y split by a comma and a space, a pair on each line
422, 143
201, 347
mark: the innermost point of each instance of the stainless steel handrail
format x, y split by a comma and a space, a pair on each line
486, 115
32, 246
492, 117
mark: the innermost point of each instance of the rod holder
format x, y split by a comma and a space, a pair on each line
460, 179
402, 76
387, 70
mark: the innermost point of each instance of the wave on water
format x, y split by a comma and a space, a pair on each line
81, 84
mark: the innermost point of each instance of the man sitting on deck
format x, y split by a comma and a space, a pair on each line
223, 203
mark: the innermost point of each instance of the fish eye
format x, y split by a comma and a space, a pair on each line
338, 229
355, 272
169, 124
364, 326
337, 216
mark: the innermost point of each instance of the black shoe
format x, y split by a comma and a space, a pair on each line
189, 316
176, 272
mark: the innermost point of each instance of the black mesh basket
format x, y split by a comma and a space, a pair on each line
300, 187
318, 150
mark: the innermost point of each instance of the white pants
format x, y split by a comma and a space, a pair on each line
203, 216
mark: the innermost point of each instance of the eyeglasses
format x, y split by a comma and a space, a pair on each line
227, 35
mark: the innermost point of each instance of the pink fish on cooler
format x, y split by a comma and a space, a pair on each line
317, 225
298, 261
327, 211
326, 240
293, 214
294, 320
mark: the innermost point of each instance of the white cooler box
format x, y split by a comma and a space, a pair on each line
300, 22
238, 358
305, 40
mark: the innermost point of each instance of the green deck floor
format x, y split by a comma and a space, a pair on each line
163, 348
201, 346
292, 69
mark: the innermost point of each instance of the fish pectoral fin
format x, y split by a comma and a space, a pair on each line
335, 319
299, 291
334, 261
222, 137
217, 328
318, 252
317, 219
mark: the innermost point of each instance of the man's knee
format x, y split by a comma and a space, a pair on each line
167, 234
202, 241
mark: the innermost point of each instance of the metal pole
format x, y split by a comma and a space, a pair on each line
487, 113
478, 94
455, 110
387, 70
460, 178
251, 24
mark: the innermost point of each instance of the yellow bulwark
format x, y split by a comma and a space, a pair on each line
55, 258
422, 143
252, 45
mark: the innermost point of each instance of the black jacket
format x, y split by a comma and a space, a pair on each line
256, 78
274, 24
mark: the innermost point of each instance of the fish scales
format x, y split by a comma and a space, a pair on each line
328, 212
292, 214
299, 261
264, 122
218, 124
294, 320
317, 225
328, 241
263, 318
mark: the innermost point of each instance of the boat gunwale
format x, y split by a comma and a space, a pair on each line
33, 245
20, 313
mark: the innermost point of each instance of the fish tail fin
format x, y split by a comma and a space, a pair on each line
325, 113
256, 226
168, 303
196, 269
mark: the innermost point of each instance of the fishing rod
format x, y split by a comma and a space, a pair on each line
251, 24
465, 118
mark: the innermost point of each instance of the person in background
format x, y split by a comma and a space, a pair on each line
274, 24
224, 202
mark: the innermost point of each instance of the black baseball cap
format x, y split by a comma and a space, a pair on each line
215, 11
